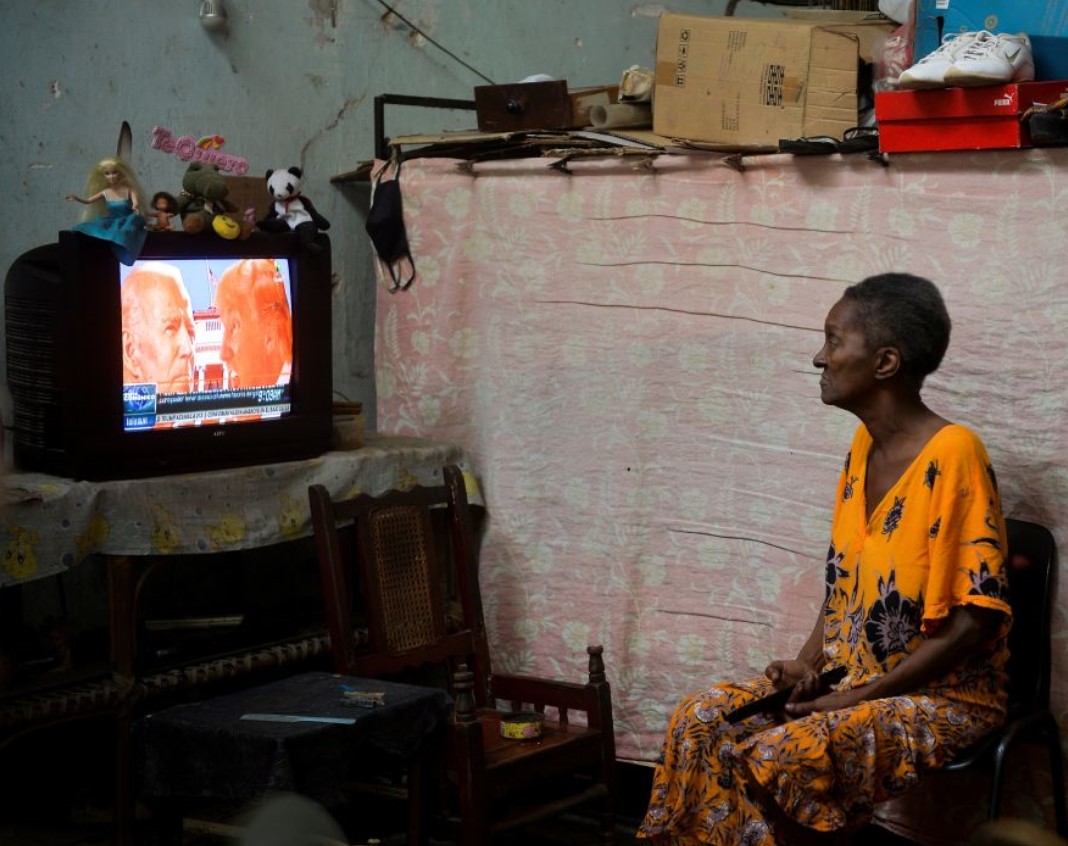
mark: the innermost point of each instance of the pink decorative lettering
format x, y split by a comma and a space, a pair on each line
187, 149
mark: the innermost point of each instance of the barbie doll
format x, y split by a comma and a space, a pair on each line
114, 213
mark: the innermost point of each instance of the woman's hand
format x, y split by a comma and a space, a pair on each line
802, 706
796, 672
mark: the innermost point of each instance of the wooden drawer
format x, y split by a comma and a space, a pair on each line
538, 105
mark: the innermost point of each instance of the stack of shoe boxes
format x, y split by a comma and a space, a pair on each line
981, 118
987, 62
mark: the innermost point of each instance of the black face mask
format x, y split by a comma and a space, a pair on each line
385, 225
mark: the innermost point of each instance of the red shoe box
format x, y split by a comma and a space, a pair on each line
960, 118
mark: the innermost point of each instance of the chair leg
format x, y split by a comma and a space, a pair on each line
608, 826
425, 775
608, 806
1056, 775
1048, 733
417, 804
993, 809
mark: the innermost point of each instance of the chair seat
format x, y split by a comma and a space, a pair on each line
501, 752
1040, 726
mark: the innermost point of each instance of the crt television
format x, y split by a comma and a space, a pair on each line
205, 353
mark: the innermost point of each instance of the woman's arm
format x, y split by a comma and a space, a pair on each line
966, 627
803, 671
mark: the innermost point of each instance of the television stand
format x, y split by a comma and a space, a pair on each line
139, 527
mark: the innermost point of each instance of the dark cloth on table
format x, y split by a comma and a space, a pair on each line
205, 749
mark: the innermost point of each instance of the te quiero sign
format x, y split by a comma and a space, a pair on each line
205, 150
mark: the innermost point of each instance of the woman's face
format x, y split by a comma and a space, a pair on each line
847, 363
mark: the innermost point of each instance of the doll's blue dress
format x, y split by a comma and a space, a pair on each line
120, 226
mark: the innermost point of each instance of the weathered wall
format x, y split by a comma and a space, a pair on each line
290, 82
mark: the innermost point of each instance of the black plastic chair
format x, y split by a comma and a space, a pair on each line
1031, 563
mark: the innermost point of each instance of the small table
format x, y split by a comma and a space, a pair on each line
212, 749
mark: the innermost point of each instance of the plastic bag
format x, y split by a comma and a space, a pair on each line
893, 58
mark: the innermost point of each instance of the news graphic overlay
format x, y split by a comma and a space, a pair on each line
206, 341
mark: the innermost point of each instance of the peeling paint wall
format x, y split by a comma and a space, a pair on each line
288, 82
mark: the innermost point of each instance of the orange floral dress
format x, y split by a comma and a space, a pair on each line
936, 541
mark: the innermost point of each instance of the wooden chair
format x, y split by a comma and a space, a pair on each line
1032, 560
387, 546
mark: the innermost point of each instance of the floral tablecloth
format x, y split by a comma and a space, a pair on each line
51, 524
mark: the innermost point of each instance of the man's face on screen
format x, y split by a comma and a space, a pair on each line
164, 340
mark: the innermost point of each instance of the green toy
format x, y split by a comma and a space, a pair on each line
203, 205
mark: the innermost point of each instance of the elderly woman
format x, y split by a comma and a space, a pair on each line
914, 611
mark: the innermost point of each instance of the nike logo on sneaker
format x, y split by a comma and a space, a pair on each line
1012, 56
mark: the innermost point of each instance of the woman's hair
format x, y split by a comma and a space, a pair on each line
97, 182
907, 312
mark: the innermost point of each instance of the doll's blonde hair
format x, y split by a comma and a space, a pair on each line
98, 182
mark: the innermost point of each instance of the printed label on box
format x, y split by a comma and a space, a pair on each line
680, 58
729, 118
736, 40
772, 81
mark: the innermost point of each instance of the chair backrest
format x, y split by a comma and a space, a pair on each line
391, 546
1030, 564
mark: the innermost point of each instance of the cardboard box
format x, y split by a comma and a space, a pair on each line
959, 118
739, 81
249, 192
1044, 21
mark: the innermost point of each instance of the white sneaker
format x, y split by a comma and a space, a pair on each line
930, 71
1004, 58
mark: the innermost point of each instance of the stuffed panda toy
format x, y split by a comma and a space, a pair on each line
291, 210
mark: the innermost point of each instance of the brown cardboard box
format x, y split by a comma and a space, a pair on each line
741, 81
249, 192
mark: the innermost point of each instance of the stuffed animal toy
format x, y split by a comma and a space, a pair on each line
292, 210
203, 204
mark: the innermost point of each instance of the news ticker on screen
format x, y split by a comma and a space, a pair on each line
145, 408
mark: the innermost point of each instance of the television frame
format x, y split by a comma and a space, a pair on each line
79, 341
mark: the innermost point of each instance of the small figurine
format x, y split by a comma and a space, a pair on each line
114, 213
292, 210
164, 206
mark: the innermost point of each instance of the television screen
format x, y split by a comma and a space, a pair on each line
206, 341
205, 353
